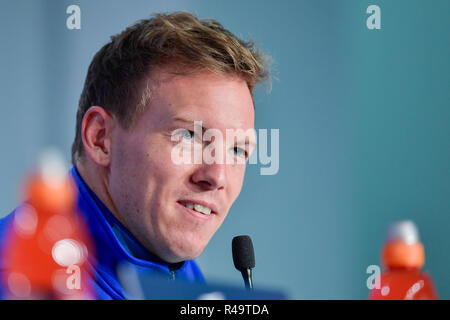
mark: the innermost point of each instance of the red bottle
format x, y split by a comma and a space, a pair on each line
47, 244
403, 257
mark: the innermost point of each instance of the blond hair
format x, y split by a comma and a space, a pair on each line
115, 75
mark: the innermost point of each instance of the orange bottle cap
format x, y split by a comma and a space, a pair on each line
398, 254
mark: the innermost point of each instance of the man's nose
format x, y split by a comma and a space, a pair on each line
211, 176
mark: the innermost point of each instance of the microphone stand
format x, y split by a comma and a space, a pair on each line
247, 275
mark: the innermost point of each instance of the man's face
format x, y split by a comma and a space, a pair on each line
150, 192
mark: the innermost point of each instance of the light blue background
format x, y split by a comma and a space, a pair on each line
363, 117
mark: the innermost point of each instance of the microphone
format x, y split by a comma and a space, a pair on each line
244, 258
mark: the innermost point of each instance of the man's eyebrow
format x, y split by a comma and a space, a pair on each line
189, 122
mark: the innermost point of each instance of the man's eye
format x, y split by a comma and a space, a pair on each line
240, 152
187, 134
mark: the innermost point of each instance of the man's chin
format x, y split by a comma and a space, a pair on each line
177, 256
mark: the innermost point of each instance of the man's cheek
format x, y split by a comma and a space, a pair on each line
237, 182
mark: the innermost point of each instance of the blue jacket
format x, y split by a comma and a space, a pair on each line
114, 245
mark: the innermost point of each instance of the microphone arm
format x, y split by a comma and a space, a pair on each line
247, 275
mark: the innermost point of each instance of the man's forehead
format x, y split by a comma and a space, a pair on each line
218, 101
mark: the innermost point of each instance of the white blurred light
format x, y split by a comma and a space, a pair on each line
57, 227
59, 278
25, 220
52, 167
414, 289
405, 231
217, 295
68, 252
385, 290
19, 285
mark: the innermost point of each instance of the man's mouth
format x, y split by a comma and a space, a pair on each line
201, 208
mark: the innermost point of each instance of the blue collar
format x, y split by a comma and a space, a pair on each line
114, 247
128, 247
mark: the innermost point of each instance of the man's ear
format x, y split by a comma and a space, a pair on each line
96, 129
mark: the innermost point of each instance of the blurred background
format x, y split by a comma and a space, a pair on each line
363, 117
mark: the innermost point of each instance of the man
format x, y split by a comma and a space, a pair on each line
157, 76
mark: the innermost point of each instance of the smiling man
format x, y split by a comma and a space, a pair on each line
132, 173
157, 77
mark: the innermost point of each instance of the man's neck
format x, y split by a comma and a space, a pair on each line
98, 182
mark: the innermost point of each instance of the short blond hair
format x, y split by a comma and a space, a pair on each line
116, 72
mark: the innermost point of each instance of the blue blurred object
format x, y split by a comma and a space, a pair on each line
139, 284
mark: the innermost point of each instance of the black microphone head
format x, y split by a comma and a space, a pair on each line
243, 253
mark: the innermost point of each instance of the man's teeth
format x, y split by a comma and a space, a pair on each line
198, 207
